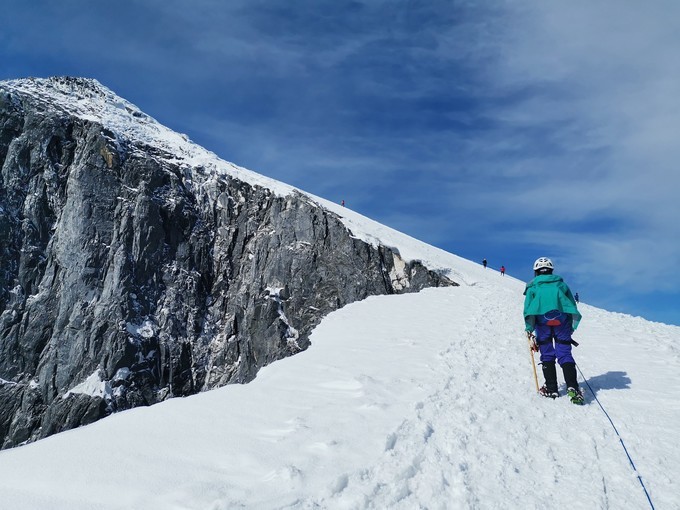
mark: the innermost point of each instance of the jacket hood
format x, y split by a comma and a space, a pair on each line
545, 278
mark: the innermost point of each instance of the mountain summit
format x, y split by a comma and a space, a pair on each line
137, 266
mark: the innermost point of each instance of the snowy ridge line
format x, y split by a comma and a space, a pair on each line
630, 459
87, 99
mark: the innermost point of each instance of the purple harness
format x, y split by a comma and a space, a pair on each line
553, 336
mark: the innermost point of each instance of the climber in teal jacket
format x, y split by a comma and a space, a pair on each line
547, 292
550, 317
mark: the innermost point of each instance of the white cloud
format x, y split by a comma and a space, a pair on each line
590, 134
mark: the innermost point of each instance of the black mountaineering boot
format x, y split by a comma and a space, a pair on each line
575, 395
544, 392
569, 371
549, 389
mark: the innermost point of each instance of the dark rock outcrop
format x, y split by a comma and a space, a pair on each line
129, 274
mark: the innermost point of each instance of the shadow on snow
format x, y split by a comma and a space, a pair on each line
617, 380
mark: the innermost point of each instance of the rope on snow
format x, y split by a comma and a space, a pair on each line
620, 438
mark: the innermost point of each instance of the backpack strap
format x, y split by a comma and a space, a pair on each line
567, 342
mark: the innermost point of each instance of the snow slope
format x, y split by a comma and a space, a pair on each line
414, 401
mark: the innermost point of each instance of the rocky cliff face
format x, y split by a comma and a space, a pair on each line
136, 266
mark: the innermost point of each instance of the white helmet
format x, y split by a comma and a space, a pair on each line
543, 262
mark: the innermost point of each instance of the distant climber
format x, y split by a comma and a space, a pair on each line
576, 297
550, 311
484, 263
502, 270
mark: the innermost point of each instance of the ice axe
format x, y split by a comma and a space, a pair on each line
533, 347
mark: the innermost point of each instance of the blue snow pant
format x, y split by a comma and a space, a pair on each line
553, 336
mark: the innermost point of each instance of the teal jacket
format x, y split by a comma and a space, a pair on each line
548, 292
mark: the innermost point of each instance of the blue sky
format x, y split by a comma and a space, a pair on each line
499, 130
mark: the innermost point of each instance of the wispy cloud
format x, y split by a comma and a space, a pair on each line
608, 118
499, 129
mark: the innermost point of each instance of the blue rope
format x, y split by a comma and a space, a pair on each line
620, 438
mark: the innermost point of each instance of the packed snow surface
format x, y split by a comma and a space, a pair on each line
420, 400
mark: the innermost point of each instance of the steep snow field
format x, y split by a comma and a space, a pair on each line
414, 401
